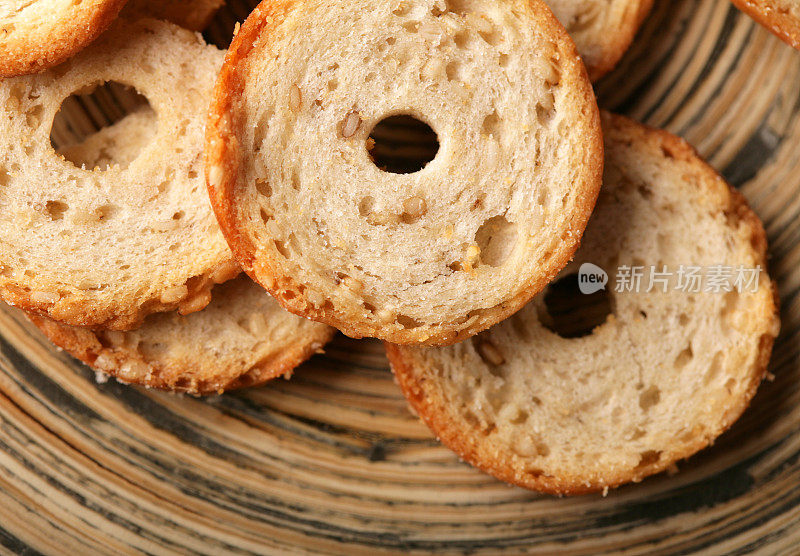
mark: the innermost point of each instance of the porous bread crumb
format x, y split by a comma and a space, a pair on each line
659, 379
443, 252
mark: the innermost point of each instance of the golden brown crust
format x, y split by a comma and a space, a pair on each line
195, 15
30, 47
781, 23
492, 460
428, 402
123, 361
617, 39
82, 312
225, 126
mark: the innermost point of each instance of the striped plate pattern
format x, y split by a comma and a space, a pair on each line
333, 462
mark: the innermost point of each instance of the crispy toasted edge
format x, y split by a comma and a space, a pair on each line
782, 25
36, 51
83, 312
616, 45
428, 403
84, 345
222, 171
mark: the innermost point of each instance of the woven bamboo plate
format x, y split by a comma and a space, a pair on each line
333, 462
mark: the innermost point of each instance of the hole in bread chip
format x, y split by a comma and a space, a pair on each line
453, 71
100, 214
414, 208
649, 398
263, 187
534, 472
56, 209
730, 305
496, 239
103, 126
684, 357
408, 322
461, 39
183, 383
648, 458
402, 144
521, 417
282, 248
492, 125
479, 201
571, 314
714, 369
543, 449
544, 114
246, 380
366, 206
636, 433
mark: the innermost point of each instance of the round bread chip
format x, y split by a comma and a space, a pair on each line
243, 338
432, 256
602, 29
39, 34
665, 373
781, 17
191, 14
104, 246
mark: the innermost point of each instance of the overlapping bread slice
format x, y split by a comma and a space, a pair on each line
105, 245
602, 29
39, 34
659, 379
432, 256
243, 338
782, 17
191, 14
119, 143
